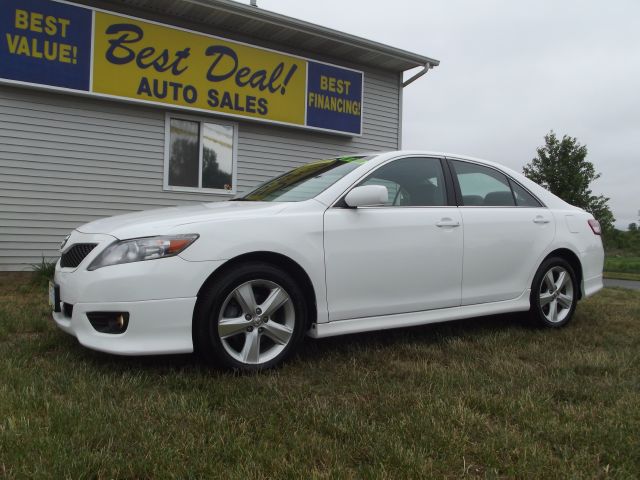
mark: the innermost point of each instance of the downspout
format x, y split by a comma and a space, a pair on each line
427, 66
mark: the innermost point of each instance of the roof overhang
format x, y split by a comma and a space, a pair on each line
254, 22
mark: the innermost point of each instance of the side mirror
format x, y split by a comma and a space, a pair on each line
367, 195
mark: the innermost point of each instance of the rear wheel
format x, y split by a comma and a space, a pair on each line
252, 318
554, 293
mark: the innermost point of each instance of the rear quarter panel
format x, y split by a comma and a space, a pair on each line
574, 233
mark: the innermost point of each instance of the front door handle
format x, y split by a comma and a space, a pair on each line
540, 219
447, 222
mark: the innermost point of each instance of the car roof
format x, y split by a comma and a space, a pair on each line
385, 155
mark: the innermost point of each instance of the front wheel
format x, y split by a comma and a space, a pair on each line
252, 318
554, 293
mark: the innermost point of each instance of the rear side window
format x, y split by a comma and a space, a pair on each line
482, 186
411, 182
523, 198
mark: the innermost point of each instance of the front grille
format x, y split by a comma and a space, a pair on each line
76, 254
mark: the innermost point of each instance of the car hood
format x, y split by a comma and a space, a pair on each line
162, 221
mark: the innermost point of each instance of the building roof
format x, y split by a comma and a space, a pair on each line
280, 29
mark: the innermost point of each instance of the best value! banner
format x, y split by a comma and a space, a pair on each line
65, 46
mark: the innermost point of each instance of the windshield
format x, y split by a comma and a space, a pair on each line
305, 182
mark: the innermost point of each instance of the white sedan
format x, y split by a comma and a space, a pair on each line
339, 246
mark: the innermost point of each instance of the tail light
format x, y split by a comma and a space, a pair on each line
595, 226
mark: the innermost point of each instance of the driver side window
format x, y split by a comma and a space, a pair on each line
411, 182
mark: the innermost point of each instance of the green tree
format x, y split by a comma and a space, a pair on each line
561, 167
633, 227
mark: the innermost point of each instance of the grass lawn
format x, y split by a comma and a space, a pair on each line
624, 264
489, 397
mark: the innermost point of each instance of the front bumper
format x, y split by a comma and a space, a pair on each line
155, 327
159, 295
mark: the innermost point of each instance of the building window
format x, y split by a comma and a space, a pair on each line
200, 155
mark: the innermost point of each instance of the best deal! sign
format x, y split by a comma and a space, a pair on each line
64, 46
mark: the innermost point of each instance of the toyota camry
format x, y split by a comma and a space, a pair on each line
338, 246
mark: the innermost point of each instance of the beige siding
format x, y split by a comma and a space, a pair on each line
66, 160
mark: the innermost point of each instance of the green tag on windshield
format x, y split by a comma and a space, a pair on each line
360, 160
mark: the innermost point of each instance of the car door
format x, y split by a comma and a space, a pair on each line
403, 256
507, 230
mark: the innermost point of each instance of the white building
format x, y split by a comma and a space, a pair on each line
116, 106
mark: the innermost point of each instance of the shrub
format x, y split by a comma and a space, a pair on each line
44, 270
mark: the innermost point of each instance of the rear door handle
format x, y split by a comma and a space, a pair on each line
447, 222
540, 219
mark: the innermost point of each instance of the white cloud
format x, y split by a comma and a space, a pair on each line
510, 72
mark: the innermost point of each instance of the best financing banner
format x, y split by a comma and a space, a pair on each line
59, 45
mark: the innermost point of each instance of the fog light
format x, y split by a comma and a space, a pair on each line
109, 322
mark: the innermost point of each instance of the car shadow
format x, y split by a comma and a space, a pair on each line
432, 334
314, 349
151, 363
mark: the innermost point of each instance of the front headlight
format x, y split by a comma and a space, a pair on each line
64, 242
140, 249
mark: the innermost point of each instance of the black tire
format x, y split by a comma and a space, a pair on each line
206, 338
545, 294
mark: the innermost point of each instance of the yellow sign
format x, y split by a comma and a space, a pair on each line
150, 62
60, 45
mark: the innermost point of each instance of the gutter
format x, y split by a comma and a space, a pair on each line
250, 12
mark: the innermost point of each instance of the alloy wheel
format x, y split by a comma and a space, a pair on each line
556, 295
256, 322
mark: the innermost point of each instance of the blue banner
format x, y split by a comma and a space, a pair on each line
46, 43
50, 43
334, 98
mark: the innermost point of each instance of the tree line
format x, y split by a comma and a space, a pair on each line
561, 166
